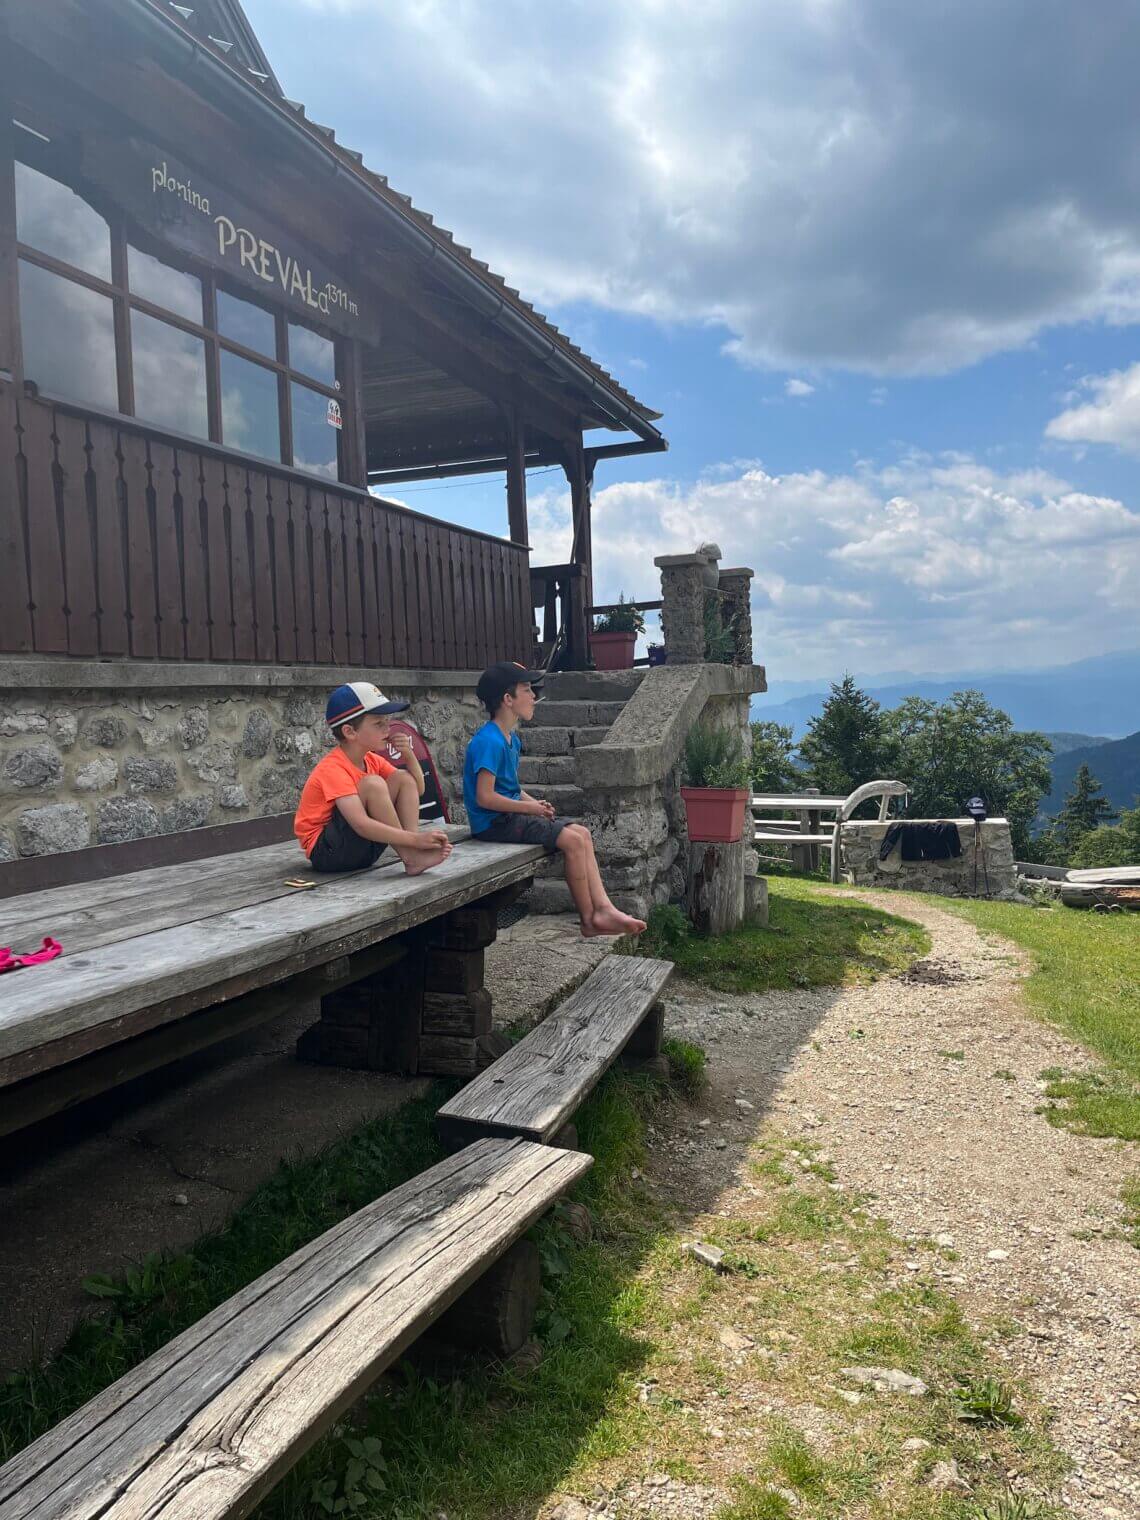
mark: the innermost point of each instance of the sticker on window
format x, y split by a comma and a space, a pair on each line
333, 414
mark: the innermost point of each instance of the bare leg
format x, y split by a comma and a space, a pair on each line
597, 913
378, 804
406, 800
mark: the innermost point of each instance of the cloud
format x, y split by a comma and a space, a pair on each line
1112, 416
937, 565
798, 388
874, 184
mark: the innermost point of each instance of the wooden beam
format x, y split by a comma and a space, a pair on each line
516, 478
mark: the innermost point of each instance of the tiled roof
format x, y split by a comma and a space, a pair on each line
242, 53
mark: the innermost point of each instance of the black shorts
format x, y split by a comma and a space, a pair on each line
341, 848
523, 828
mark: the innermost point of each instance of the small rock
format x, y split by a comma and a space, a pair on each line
709, 1256
945, 1240
570, 1509
886, 1380
850, 1398
946, 1479
720, 1145
703, 1123
181, 1200
657, 1480
744, 1106
997, 1255
916, 1443
735, 1340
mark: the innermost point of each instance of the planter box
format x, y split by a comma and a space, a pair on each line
715, 815
613, 651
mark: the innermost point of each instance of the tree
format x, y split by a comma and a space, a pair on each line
1105, 846
847, 744
1085, 808
773, 766
951, 751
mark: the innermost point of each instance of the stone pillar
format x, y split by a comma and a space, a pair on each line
683, 582
736, 611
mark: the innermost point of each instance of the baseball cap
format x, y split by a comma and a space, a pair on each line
355, 699
499, 678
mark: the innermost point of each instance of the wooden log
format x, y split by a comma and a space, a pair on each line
496, 1314
714, 887
444, 1055
453, 971
464, 1013
373, 1024
472, 928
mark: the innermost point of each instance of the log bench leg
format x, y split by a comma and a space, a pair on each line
643, 1053
496, 1314
372, 1024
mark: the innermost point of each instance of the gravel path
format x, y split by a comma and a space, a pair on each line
899, 1082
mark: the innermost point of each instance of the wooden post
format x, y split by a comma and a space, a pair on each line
806, 856
516, 478
580, 590
373, 1024
10, 362
496, 1314
714, 887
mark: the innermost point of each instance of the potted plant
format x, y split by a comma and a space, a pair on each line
615, 635
716, 790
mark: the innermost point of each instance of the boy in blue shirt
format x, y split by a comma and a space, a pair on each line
502, 813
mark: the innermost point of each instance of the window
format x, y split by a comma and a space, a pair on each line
116, 326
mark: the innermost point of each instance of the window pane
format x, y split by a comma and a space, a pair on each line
249, 407
314, 440
247, 324
69, 338
312, 354
158, 282
170, 375
55, 220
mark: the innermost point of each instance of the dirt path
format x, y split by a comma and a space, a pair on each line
921, 1090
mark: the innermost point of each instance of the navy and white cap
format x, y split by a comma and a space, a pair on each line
355, 700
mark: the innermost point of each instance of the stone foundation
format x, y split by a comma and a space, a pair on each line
101, 753
996, 877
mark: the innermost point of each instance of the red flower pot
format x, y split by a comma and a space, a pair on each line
613, 651
713, 814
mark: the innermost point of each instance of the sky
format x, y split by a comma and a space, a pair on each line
876, 262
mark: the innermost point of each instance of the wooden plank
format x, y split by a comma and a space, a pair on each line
110, 551
15, 605
338, 603
302, 570
369, 585
429, 609
45, 551
81, 1003
208, 1424
77, 537
281, 565
167, 506
409, 562
220, 615
241, 562
56, 1091
140, 547
262, 567
397, 605
195, 517
534, 1088
318, 549
354, 582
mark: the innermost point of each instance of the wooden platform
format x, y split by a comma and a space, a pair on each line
534, 1089
144, 950
208, 1424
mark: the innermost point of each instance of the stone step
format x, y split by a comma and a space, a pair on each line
583, 736
592, 685
568, 801
536, 769
549, 741
549, 714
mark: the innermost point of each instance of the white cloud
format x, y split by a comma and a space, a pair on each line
798, 388
1112, 416
877, 184
922, 564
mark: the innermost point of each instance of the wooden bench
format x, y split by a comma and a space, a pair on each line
206, 1426
161, 962
534, 1089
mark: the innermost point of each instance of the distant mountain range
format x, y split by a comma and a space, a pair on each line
1116, 765
1095, 696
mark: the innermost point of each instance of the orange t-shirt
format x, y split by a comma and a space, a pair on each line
334, 776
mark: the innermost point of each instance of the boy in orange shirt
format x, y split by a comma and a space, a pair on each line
355, 802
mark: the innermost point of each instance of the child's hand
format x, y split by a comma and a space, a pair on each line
434, 837
402, 744
544, 809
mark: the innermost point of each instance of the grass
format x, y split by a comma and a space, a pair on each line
812, 940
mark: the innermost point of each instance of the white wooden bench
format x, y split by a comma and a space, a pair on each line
797, 834
206, 1426
534, 1089
161, 962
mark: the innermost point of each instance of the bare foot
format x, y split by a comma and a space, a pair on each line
416, 862
608, 920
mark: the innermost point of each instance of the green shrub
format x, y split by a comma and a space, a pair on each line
714, 757
625, 618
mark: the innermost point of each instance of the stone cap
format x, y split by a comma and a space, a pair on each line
674, 561
738, 570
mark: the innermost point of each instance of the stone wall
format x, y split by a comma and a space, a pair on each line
101, 753
632, 779
997, 877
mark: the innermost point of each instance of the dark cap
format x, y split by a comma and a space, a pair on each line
502, 677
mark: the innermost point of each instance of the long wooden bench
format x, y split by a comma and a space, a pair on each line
159, 962
534, 1089
206, 1426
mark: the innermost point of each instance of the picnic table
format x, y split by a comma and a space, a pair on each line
161, 962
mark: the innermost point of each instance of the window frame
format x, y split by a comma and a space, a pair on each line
124, 302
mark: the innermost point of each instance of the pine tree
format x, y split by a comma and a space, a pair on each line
847, 744
1085, 808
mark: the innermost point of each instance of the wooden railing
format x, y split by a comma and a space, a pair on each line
119, 540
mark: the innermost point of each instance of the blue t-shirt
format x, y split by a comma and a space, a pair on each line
490, 750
